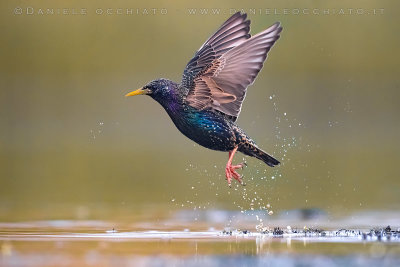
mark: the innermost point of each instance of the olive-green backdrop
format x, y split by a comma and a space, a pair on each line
326, 103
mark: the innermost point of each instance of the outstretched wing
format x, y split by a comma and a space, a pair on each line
231, 33
220, 84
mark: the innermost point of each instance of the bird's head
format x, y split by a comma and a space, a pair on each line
160, 90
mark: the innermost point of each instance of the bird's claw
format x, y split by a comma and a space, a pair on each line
240, 165
230, 172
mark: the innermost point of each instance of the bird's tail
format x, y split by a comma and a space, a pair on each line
254, 151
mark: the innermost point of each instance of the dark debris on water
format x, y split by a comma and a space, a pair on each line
379, 234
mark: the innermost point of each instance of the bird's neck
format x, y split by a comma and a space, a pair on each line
172, 104
172, 101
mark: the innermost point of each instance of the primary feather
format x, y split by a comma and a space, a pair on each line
228, 62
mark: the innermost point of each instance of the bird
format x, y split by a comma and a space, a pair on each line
205, 105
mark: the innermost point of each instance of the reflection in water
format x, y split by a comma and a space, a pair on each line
47, 247
170, 242
179, 241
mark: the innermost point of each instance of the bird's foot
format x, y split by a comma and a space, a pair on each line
230, 171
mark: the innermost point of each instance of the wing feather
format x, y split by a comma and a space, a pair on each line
227, 63
230, 34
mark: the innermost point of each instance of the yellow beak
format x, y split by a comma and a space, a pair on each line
139, 91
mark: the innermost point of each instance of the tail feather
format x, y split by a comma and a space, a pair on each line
269, 160
254, 151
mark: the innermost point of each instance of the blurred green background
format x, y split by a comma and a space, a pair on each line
326, 103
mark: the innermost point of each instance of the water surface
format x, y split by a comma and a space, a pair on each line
174, 242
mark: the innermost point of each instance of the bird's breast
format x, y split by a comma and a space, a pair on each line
204, 127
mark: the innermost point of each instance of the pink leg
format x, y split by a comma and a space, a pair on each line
230, 169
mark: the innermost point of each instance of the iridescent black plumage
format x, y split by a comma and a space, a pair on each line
208, 128
205, 106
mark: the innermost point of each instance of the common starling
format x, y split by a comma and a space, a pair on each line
207, 102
